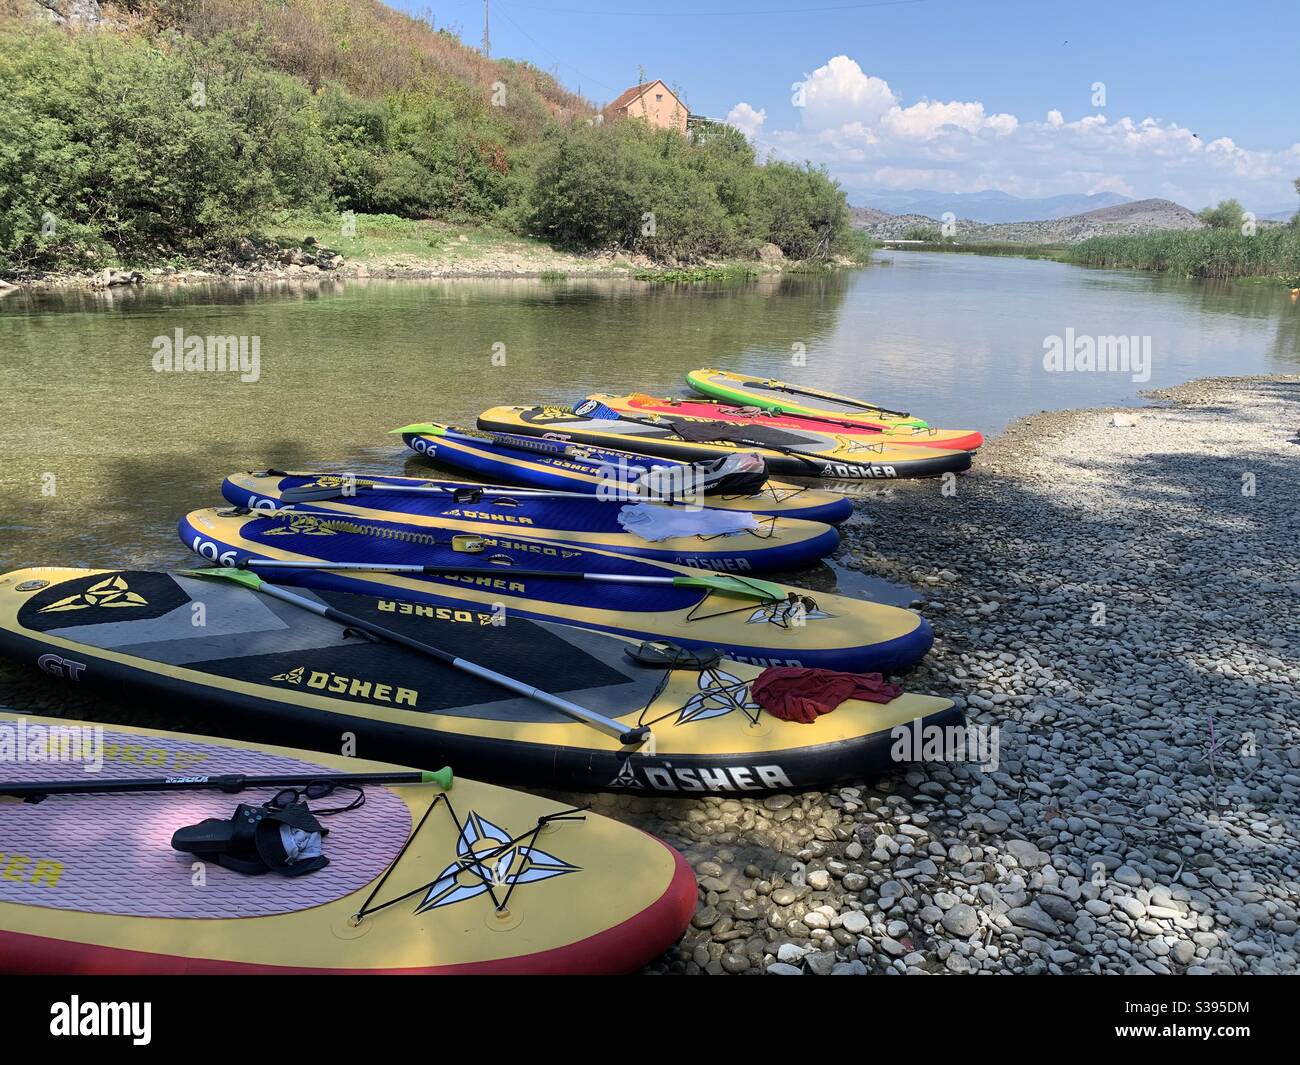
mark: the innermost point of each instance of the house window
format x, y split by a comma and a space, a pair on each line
659, 97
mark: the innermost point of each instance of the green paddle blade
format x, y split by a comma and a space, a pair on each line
722, 582
428, 428
441, 777
228, 573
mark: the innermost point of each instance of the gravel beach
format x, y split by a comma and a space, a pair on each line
1114, 594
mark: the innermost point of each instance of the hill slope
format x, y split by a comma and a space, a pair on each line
1139, 216
990, 206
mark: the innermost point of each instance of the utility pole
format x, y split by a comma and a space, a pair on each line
487, 40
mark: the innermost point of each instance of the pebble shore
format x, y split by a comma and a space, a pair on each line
1115, 592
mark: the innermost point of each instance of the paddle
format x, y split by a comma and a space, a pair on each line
469, 494
782, 386
750, 587
229, 782
761, 412
638, 492
670, 420
631, 737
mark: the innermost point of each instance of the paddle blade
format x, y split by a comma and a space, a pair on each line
228, 573
427, 428
307, 492
749, 587
442, 777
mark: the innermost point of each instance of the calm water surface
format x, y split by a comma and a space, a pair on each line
958, 339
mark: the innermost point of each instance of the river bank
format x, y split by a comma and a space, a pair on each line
405, 250
1116, 601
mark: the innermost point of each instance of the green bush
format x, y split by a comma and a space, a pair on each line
114, 144
655, 193
800, 209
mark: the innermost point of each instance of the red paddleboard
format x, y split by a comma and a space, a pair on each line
722, 411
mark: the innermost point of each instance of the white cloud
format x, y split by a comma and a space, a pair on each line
839, 93
746, 119
870, 138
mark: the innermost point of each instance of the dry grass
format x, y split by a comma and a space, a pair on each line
366, 46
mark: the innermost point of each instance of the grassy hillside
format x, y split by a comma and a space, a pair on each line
374, 51
181, 126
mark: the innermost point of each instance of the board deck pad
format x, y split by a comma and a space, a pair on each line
262, 640
112, 853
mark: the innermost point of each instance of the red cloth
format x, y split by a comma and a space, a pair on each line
796, 694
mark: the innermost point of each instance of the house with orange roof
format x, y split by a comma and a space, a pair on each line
652, 102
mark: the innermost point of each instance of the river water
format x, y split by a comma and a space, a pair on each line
103, 453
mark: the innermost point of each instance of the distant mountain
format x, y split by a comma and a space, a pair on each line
1144, 214
989, 206
1137, 216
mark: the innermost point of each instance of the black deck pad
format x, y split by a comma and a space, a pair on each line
226, 630
127, 595
764, 435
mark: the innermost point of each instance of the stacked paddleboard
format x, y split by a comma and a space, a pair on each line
587, 613
821, 452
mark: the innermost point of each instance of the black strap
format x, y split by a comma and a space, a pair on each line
668, 655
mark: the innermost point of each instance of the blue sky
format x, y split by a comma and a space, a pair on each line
955, 95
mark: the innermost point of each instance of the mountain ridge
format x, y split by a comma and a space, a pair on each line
1135, 216
990, 206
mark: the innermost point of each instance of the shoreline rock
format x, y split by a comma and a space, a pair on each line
1142, 596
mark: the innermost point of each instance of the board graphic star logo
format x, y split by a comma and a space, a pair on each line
294, 676
720, 694
487, 859
785, 614
847, 445
110, 592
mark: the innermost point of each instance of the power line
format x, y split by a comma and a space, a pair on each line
726, 14
558, 60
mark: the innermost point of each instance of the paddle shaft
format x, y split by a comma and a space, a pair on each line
581, 713
844, 423
814, 394
307, 493
458, 571
816, 464
229, 782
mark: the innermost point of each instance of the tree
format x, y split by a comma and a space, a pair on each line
1227, 215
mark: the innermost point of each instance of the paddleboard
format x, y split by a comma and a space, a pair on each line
274, 670
771, 394
92, 886
753, 414
775, 543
